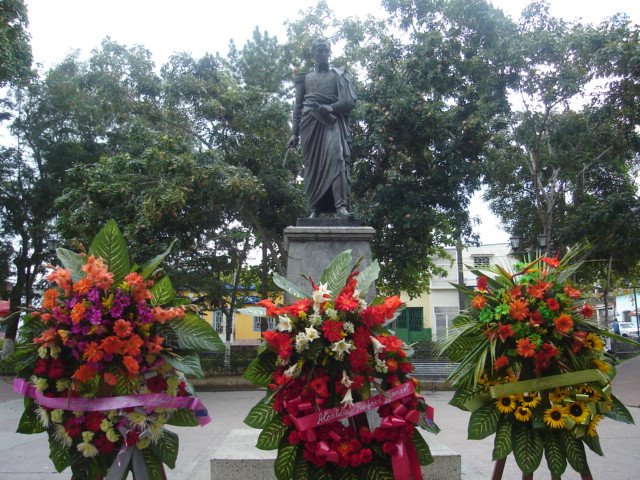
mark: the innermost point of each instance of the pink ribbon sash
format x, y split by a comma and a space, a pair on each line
159, 400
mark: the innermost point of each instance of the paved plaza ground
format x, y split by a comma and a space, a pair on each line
25, 457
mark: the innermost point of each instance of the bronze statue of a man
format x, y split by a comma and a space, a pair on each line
324, 100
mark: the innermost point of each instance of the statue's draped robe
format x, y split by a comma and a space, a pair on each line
326, 142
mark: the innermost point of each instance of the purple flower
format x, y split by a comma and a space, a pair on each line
144, 313
94, 315
94, 295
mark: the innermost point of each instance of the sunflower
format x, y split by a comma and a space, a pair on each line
604, 367
523, 414
593, 342
558, 395
594, 396
554, 416
506, 404
591, 429
578, 411
529, 400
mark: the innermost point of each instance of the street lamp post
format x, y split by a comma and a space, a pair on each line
635, 304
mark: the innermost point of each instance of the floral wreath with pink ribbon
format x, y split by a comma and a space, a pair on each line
340, 400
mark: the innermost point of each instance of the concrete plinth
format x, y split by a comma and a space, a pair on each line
310, 249
239, 459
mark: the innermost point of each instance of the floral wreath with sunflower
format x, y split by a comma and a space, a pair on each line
532, 367
322, 365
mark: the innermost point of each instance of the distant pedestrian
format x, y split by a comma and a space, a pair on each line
615, 326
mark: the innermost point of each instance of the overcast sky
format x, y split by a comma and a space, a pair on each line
197, 26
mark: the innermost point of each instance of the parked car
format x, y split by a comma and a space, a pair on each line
629, 329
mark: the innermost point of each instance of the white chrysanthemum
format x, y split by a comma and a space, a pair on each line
55, 351
381, 366
342, 347
284, 324
87, 449
57, 415
377, 346
61, 436
349, 327
106, 425
331, 313
143, 443
319, 294
42, 352
43, 417
87, 436
315, 320
112, 435
137, 418
363, 304
63, 384
311, 333
292, 371
347, 400
346, 381
302, 342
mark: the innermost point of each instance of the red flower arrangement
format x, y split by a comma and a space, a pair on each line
320, 365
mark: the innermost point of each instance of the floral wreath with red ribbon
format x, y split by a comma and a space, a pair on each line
320, 364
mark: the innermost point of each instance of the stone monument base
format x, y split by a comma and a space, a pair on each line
237, 458
314, 242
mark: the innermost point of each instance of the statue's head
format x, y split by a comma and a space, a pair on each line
321, 50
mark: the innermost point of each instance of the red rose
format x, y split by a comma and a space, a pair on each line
40, 367
103, 444
93, 420
56, 369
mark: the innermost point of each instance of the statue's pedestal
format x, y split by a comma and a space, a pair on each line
314, 242
237, 458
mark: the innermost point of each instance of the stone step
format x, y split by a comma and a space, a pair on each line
237, 458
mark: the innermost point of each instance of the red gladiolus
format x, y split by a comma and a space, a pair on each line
572, 292
552, 262
272, 310
280, 342
301, 306
391, 304
478, 302
539, 289
481, 283
586, 310
505, 331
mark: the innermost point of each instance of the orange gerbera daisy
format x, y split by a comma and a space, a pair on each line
93, 353
82, 286
564, 323
50, 298
500, 362
77, 312
122, 328
112, 344
519, 309
84, 373
525, 347
132, 345
131, 365
539, 289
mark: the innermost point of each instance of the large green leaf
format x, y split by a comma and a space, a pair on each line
32, 326
253, 311
195, 333
336, 274
59, 455
502, 443
301, 467
73, 262
288, 286
155, 471
594, 444
162, 291
187, 363
376, 471
619, 412
422, 448
574, 450
285, 461
527, 448
368, 276
83, 467
270, 437
151, 266
183, 417
344, 474
463, 395
109, 245
554, 452
166, 448
29, 422
483, 422
260, 415
261, 369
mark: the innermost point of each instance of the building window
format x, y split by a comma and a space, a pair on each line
270, 323
483, 261
411, 318
218, 321
444, 317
